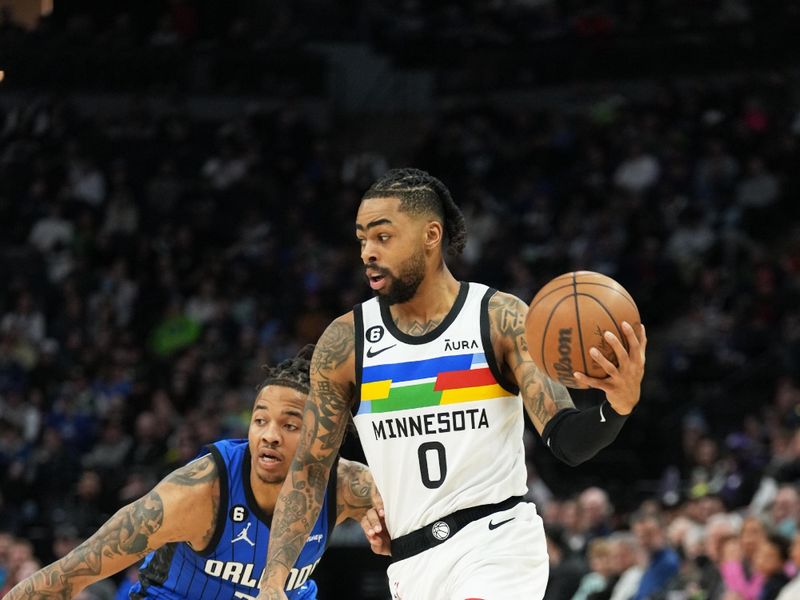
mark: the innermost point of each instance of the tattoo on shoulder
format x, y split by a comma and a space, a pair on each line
335, 346
507, 318
202, 470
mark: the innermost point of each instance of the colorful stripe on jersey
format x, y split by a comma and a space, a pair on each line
430, 382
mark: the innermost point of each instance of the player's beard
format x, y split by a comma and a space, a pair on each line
271, 478
403, 286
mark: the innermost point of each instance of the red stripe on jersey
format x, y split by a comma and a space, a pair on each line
453, 380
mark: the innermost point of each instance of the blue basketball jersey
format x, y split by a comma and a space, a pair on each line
232, 564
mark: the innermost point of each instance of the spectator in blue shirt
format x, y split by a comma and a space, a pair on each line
663, 562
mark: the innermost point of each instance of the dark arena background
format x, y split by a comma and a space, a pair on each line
178, 187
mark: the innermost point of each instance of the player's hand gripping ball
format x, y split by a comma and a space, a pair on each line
569, 316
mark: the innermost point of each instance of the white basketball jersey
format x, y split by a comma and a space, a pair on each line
440, 427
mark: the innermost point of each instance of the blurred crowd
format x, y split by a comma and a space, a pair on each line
280, 48
697, 550
152, 263
462, 22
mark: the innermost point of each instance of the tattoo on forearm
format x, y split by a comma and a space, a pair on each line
324, 424
542, 397
557, 392
126, 534
355, 489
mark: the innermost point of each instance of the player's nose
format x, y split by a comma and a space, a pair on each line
368, 253
272, 433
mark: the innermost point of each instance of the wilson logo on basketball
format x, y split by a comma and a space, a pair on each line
564, 367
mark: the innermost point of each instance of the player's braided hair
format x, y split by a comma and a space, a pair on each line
292, 372
419, 192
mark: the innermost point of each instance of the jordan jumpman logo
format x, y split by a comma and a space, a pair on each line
243, 535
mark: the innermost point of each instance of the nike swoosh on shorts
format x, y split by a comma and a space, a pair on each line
496, 525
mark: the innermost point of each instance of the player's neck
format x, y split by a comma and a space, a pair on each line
266, 494
433, 300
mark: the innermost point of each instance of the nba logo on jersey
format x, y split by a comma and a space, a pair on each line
440, 530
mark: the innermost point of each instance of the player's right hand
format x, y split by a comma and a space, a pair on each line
374, 525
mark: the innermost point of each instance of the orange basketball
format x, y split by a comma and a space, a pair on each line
569, 316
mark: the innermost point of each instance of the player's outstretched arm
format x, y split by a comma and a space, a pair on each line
170, 512
573, 436
324, 423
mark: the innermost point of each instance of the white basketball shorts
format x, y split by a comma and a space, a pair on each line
499, 557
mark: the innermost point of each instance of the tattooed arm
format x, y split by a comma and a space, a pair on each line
355, 491
357, 498
542, 396
573, 436
175, 510
324, 423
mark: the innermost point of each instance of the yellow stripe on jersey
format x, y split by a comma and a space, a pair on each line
471, 394
376, 390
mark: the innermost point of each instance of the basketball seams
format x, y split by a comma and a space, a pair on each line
610, 316
553, 291
616, 289
546, 327
578, 322
623, 340
622, 293
599, 306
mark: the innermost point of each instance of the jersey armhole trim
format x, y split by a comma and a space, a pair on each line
488, 349
358, 331
222, 509
330, 494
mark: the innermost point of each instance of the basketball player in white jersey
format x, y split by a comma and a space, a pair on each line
436, 373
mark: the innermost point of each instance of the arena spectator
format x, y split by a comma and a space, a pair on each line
662, 561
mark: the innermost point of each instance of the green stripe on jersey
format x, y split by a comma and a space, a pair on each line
408, 396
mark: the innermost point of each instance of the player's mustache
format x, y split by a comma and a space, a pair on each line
375, 267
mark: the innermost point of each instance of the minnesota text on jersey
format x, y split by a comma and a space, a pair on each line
430, 423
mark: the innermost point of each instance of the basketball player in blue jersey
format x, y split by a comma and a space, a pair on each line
204, 528
437, 376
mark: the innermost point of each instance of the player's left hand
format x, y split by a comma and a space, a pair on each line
623, 384
374, 525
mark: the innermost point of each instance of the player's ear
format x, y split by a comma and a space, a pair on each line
433, 234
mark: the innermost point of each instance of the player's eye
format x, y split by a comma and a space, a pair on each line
260, 422
292, 427
384, 236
